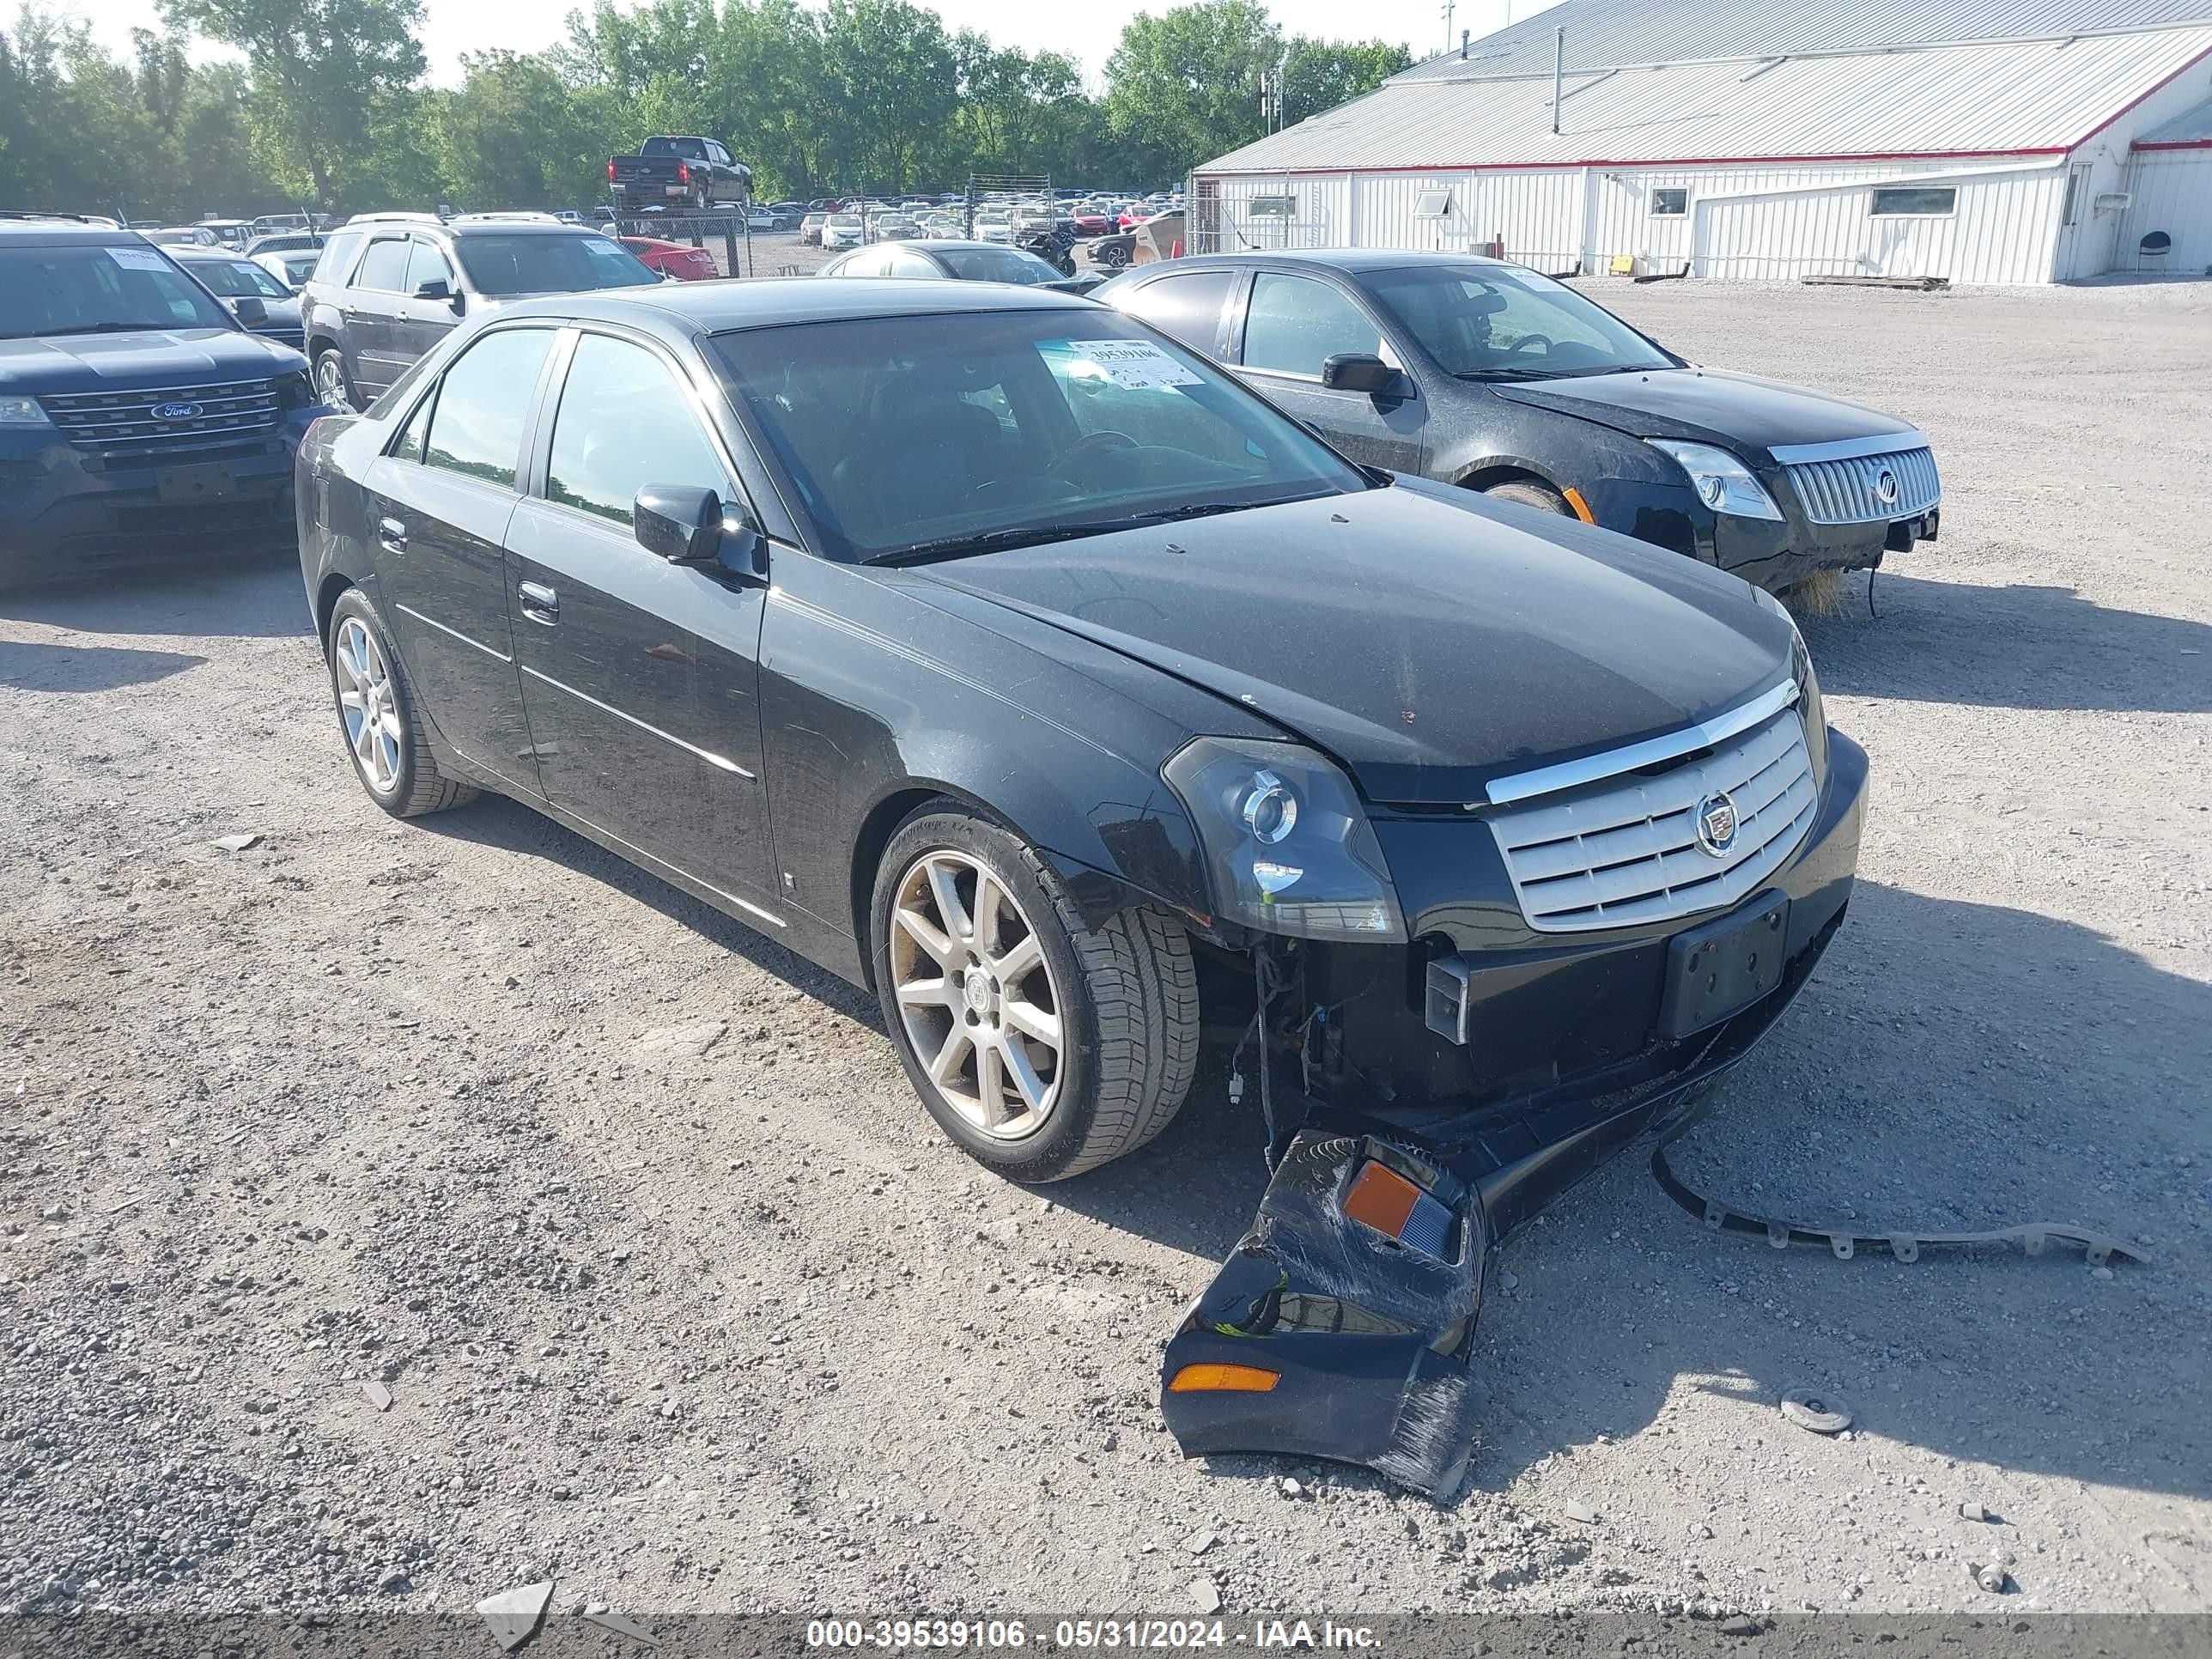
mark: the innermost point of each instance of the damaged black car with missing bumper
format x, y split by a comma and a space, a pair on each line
1003, 656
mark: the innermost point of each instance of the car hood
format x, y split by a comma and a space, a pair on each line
62, 363
1430, 640
1706, 405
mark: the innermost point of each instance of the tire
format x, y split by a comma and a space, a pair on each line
398, 770
1530, 493
333, 385
1122, 1000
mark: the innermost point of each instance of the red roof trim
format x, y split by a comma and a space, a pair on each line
1679, 162
2172, 143
2131, 103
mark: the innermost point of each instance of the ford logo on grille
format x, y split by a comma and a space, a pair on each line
1885, 488
176, 411
1716, 825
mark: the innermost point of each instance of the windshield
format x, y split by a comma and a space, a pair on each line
95, 290
997, 264
1494, 322
235, 278
691, 149
845, 221
549, 264
1004, 427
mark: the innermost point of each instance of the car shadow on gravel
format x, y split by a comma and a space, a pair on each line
496, 821
2017, 646
30, 666
257, 596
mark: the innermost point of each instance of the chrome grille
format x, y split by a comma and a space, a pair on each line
1624, 849
123, 423
1849, 491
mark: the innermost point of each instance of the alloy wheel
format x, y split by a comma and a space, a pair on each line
329, 383
369, 704
976, 995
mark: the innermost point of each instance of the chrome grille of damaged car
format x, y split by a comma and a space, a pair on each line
1624, 849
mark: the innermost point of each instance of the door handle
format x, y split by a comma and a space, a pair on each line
392, 535
540, 602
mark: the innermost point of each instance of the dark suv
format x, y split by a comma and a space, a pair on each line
139, 418
391, 285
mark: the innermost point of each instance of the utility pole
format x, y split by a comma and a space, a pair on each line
1450, 6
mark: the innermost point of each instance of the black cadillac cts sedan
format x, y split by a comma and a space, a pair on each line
996, 652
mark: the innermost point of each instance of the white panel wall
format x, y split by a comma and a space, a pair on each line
2170, 190
1769, 222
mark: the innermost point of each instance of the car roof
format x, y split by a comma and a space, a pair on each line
954, 244
47, 233
1353, 260
763, 302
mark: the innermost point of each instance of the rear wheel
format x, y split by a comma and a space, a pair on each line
1530, 493
333, 386
1042, 1046
377, 714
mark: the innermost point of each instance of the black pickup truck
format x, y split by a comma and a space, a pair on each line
696, 173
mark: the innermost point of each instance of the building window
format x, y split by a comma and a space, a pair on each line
1914, 202
1273, 206
1432, 205
1669, 203
2077, 180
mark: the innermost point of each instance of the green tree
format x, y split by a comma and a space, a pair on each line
324, 71
889, 67
514, 134
1319, 75
1184, 86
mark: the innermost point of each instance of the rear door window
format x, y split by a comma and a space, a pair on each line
1188, 307
482, 404
335, 263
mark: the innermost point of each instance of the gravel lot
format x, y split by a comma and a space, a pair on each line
703, 1325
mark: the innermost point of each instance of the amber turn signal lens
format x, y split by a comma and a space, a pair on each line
1237, 1379
1382, 1198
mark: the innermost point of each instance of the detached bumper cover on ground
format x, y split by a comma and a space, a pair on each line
1341, 1327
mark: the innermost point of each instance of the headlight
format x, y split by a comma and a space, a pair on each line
294, 391
1287, 843
1808, 706
1722, 483
21, 411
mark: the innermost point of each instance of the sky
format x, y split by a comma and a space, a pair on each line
1086, 32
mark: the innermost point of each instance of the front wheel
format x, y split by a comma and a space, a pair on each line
1530, 493
1041, 1046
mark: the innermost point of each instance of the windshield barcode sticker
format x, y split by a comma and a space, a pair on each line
1136, 364
137, 258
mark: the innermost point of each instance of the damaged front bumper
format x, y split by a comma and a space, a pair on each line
1340, 1329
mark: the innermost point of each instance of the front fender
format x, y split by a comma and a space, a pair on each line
880, 691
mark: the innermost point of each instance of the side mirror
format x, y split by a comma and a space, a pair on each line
1358, 371
253, 310
436, 288
684, 524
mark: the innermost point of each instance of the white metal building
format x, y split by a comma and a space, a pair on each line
1983, 140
